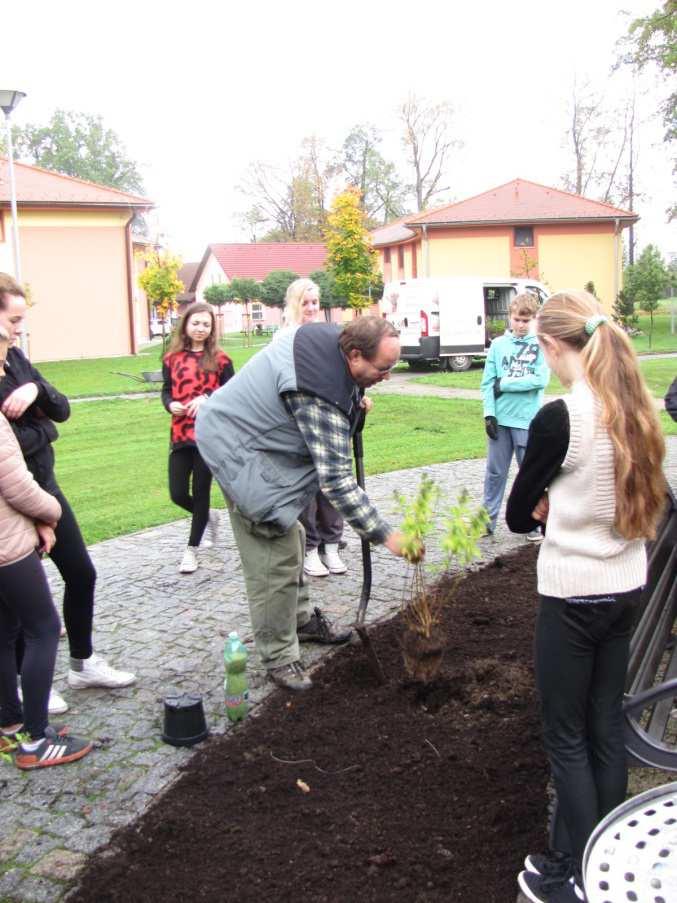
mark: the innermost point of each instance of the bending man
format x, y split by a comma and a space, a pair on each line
273, 435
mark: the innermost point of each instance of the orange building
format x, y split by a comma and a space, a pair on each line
518, 229
77, 259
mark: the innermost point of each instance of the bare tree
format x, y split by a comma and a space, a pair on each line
428, 140
586, 134
289, 204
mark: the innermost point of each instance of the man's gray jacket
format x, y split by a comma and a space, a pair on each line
247, 436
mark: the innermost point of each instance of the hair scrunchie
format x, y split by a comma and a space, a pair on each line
592, 323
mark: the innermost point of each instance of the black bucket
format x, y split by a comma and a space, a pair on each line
185, 723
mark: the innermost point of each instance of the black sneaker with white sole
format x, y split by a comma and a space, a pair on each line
551, 862
551, 888
319, 630
53, 749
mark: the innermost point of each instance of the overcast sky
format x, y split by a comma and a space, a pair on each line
197, 91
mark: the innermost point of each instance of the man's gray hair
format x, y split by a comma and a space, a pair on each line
364, 335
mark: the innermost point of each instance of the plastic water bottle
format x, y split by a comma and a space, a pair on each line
235, 684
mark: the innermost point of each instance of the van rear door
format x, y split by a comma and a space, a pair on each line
461, 317
408, 307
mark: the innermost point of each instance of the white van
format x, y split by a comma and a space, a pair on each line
446, 320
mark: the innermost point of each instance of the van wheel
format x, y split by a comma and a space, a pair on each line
459, 362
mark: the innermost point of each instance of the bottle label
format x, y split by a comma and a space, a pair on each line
232, 702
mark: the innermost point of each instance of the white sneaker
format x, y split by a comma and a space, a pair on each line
188, 562
332, 560
57, 705
96, 672
313, 566
535, 536
211, 533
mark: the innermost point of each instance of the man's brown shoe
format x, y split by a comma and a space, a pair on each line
291, 677
319, 630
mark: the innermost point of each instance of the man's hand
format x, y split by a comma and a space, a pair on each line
367, 404
47, 537
497, 387
20, 399
395, 543
491, 426
176, 408
542, 509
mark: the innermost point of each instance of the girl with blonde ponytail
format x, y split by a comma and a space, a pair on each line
592, 473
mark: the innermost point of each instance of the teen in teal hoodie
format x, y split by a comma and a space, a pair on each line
515, 374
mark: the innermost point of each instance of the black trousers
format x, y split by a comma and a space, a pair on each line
72, 561
582, 650
26, 606
184, 462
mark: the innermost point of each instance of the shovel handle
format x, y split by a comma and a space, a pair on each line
358, 451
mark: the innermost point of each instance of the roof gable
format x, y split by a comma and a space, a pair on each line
38, 186
255, 261
521, 201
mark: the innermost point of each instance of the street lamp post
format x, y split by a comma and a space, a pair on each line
8, 102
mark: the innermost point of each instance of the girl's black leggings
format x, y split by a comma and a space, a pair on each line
582, 649
182, 463
72, 560
26, 606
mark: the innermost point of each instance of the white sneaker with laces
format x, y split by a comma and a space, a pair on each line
57, 704
211, 533
188, 562
96, 672
313, 566
332, 560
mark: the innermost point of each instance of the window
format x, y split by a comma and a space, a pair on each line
386, 255
524, 237
257, 310
400, 262
414, 265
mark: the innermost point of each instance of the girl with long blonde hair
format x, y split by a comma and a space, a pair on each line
592, 473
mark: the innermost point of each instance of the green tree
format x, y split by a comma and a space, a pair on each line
652, 41
647, 281
350, 255
77, 144
244, 291
382, 193
274, 287
329, 296
217, 295
160, 281
624, 311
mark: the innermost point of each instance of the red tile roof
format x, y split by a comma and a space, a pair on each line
255, 261
41, 187
522, 201
187, 275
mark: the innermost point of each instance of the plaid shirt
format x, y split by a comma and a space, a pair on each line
326, 432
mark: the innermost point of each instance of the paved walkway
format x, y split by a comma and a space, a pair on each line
170, 630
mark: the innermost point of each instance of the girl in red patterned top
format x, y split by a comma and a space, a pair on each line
192, 369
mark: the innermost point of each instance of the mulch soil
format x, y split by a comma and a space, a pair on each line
357, 791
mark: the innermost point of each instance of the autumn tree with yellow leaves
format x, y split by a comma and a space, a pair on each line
160, 281
351, 257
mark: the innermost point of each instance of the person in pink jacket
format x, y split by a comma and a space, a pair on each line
28, 516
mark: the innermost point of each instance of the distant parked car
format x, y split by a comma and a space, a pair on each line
158, 328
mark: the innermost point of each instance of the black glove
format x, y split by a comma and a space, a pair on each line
491, 426
497, 387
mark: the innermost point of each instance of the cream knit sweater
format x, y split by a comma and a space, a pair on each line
582, 554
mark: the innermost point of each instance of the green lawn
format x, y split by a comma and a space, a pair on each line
100, 376
112, 455
657, 373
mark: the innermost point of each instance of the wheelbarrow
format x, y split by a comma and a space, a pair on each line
358, 451
147, 376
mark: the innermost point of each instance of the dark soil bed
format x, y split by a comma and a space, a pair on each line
363, 792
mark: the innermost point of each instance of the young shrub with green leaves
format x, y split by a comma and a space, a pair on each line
422, 643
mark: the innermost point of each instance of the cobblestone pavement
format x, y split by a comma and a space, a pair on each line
170, 630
